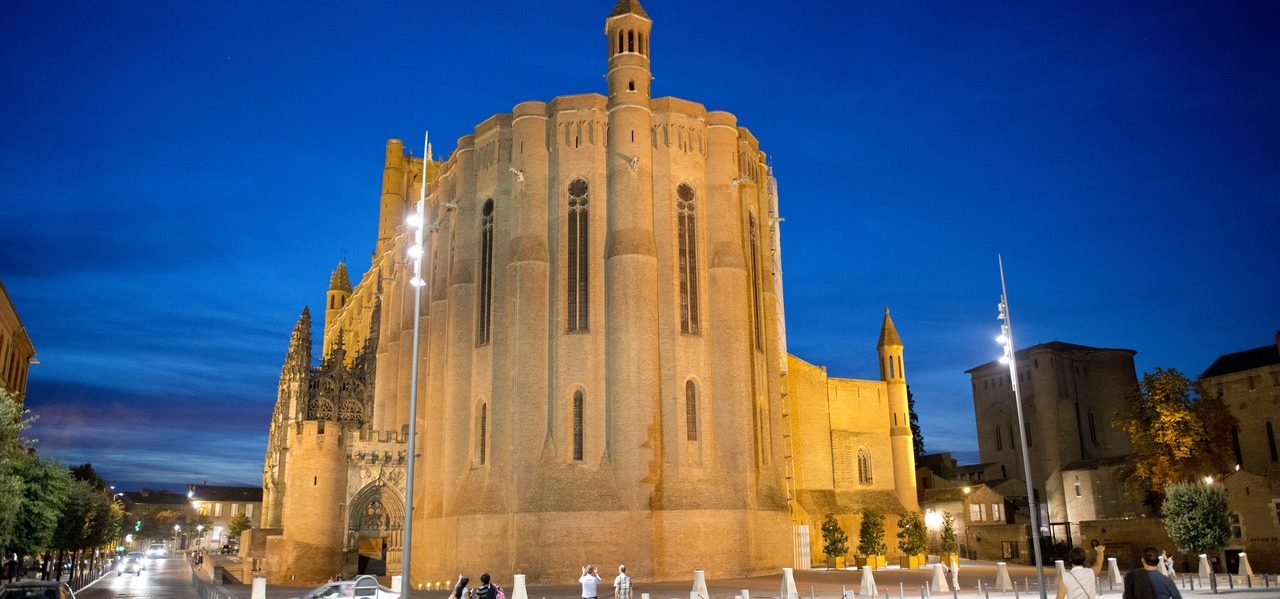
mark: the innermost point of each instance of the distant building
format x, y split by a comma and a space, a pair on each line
1249, 383
1070, 394
986, 525
16, 350
222, 504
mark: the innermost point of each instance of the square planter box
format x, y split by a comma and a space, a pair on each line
913, 562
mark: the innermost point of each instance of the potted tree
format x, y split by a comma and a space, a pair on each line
871, 547
913, 540
835, 543
950, 547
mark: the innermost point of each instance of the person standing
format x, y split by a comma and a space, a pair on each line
1148, 582
485, 590
590, 583
460, 590
622, 584
1080, 582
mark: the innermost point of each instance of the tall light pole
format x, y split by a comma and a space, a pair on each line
417, 222
1006, 339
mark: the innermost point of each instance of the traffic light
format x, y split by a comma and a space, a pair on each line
137, 525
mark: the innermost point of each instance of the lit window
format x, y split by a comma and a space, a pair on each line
217, 510
248, 510
995, 512
1237, 531
975, 512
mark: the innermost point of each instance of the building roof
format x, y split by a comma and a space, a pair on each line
220, 493
628, 6
888, 332
1054, 346
943, 495
974, 467
149, 497
1241, 361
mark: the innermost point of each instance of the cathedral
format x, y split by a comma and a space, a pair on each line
603, 375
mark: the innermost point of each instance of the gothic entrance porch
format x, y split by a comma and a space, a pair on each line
374, 532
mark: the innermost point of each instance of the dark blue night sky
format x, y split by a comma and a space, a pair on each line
178, 179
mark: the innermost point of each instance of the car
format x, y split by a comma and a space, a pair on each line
229, 549
36, 589
156, 550
130, 565
347, 588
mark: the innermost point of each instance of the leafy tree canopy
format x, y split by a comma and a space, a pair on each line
913, 539
241, 523
1195, 516
917, 437
871, 534
835, 543
1173, 436
949, 544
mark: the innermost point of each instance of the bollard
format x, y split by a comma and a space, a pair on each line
1015, 590
699, 590
518, 590
259, 588
1231, 581
746, 594
811, 592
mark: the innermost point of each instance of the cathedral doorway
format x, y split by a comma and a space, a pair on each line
374, 531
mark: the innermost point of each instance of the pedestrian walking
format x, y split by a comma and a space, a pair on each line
622, 584
1080, 582
590, 582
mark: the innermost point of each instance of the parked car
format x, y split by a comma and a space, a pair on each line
229, 549
130, 565
36, 589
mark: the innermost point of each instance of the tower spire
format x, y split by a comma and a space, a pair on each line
628, 7
888, 332
340, 280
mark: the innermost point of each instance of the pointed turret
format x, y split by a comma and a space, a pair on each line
340, 280
338, 296
300, 339
892, 372
888, 332
628, 7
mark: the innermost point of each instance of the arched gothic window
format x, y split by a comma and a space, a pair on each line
579, 253
691, 410
484, 303
864, 467
688, 239
577, 425
755, 281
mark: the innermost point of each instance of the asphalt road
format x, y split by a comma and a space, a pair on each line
163, 578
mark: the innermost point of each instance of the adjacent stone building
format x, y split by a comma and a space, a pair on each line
603, 374
223, 504
16, 350
1070, 394
1249, 383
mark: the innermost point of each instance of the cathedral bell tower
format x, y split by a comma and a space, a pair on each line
900, 438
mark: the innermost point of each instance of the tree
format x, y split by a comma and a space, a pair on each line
871, 534
1173, 437
949, 544
241, 523
157, 524
917, 438
1195, 516
835, 543
913, 539
13, 420
45, 487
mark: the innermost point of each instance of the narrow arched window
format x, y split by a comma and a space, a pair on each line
755, 281
643, 49
864, 467
1093, 429
578, 289
691, 411
631, 41
577, 425
620, 34
687, 231
891, 375
484, 303
482, 433
999, 439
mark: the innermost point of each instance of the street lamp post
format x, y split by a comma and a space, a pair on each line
418, 223
1006, 339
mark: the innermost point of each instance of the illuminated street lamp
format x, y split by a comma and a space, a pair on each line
1006, 339
417, 222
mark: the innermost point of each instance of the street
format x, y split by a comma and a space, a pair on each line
163, 578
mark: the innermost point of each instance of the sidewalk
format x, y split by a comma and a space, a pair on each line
814, 584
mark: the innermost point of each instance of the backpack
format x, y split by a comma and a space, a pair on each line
501, 594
